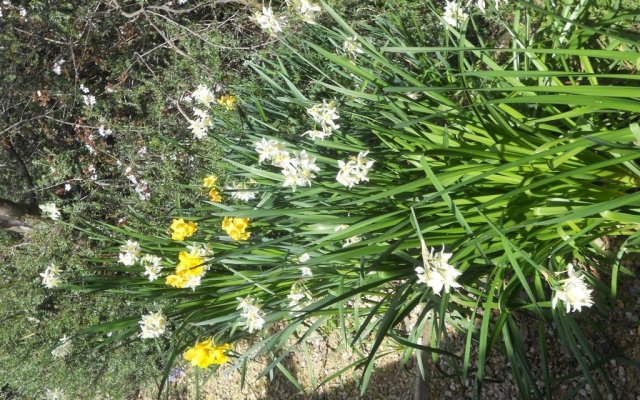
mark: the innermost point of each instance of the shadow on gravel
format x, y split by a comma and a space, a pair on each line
393, 381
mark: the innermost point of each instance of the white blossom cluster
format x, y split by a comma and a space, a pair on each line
436, 272
351, 47
355, 170
57, 66
129, 253
240, 191
269, 22
51, 276
140, 185
455, 14
298, 170
573, 292
324, 114
252, 314
87, 97
299, 297
202, 121
151, 266
308, 11
152, 325
50, 210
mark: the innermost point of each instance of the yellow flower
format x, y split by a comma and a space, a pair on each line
209, 181
228, 101
177, 281
181, 229
236, 228
214, 195
190, 265
206, 353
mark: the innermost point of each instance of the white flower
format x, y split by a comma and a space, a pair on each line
55, 394
240, 192
193, 282
355, 170
574, 292
129, 253
23, 12
57, 66
454, 14
269, 22
304, 257
201, 250
200, 125
151, 266
295, 298
89, 100
152, 325
67, 187
254, 320
253, 317
340, 227
438, 272
351, 47
203, 95
245, 303
306, 271
63, 349
352, 240
308, 11
482, 5
51, 276
92, 170
300, 171
50, 210
104, 132
316, 134
267, 149
324, 114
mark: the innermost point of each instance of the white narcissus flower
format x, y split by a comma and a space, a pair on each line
306, 271
324, 114
265, 149
203, 95
304, 257
351, 47
152, 325
454, 14
250, 311
299, 171
267, 21
355, 170
129, 253
50, 210
51, 276
308, 11
240, 192
351, 240
151, 266
438, 273
573, 292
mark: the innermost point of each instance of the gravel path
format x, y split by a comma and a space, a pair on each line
615, 334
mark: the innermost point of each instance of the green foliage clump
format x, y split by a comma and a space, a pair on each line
35, 319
